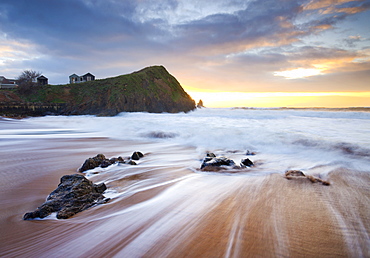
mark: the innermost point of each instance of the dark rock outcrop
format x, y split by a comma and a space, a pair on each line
101, 161
246, 163
213, 163
114, 160
137, 155
211, 155
24, 109
74, 194
200, 104
98, 161
216, 163
131, 162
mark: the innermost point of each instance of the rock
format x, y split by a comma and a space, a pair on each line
250, 153
74, 194
105, 163
91, 163
200, 104
296, 174
100, 188
210, 154
317, 180
131, 162
216, 162
137, 155
114, 160
99, 161
246, 163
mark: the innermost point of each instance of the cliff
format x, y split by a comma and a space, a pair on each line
151, 89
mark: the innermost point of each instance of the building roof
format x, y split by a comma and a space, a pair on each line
42, 78
88, 74
73, 75
4, 80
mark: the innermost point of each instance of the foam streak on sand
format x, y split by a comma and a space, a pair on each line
166, 207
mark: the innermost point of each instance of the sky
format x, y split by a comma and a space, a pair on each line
253, 53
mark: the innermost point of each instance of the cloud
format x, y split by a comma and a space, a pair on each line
336, 6
210, 44
318, 61
352, 40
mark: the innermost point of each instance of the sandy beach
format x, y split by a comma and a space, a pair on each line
251, 118
163, 207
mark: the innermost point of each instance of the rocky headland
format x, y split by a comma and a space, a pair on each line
152, 89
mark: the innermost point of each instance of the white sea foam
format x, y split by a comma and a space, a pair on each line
295, 139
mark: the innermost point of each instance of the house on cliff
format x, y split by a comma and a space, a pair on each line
42, 80
7, 83
74, 78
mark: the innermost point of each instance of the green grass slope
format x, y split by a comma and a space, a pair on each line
151, 89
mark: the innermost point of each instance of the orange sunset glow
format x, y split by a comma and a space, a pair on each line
282, 99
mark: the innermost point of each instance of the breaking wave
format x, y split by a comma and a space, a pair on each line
296, 137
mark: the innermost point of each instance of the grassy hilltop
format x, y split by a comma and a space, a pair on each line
151, 89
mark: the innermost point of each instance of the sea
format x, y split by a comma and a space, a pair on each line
165, 206
283, 139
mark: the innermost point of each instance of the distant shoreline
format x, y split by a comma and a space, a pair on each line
355, 109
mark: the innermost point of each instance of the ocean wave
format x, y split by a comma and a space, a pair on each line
305, 136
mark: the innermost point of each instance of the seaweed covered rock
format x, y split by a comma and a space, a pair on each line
74, 194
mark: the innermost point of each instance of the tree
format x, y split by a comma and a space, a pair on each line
27, 80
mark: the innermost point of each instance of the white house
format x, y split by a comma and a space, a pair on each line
74, 78
7, 83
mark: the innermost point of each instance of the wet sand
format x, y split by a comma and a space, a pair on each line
165, 208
